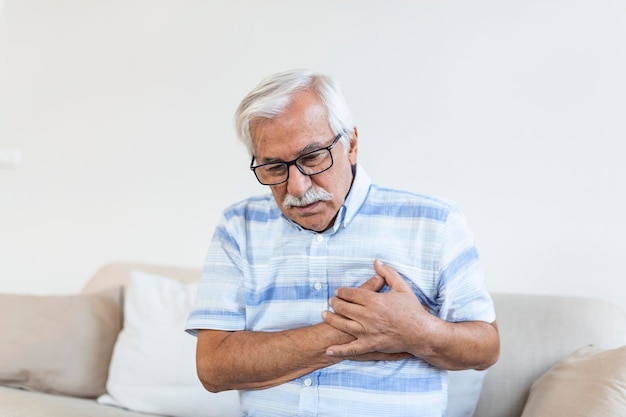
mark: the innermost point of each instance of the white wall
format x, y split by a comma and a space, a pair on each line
122, 110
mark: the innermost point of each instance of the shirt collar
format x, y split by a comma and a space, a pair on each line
354, 200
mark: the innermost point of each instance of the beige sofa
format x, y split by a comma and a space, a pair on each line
537, 333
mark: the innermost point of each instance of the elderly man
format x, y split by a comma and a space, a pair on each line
333, 296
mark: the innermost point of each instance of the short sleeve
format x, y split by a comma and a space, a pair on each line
462, 293
220, 302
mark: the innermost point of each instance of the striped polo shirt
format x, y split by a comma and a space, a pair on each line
263, 272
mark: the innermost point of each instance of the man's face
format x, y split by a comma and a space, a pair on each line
301, 128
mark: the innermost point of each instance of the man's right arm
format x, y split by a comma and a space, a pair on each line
256, 360
235, 360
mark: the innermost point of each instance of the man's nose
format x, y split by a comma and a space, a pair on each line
298, 183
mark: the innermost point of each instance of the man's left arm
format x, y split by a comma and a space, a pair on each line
395, 321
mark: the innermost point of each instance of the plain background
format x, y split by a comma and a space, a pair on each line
122, 110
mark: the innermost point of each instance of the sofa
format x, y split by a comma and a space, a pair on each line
81, 355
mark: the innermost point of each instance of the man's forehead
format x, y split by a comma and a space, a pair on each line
268, 149
289, 145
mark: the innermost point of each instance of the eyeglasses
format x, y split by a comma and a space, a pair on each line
311, 163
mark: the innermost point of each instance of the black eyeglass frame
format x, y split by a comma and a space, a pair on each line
288, 164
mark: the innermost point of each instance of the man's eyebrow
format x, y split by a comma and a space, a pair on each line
313, 146
269, 160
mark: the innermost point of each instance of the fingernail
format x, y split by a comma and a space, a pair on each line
330, 352
324, 314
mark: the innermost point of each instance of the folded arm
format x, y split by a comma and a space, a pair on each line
396, 322
229, 360
255, 360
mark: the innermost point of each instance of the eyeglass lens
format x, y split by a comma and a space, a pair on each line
309, 164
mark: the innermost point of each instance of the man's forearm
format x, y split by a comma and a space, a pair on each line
256, 360
462, 345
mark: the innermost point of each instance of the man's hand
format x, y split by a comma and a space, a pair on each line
395, 323
378, 321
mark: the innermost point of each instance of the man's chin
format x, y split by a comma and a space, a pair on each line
316, 222
315, 227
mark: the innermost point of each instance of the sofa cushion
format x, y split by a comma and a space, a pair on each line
589, 382
59, 344
153, 366
15, 402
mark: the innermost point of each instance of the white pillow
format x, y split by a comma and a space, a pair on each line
153, 365
464, 389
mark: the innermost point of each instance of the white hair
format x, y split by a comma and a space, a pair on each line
274, 93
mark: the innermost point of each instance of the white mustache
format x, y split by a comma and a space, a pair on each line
311, 196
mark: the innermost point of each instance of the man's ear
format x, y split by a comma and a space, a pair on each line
354, 142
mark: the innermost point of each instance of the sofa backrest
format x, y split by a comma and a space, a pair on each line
116, 274
536, 332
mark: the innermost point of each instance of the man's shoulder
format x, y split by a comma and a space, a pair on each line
255, 207
437, 206
255, 200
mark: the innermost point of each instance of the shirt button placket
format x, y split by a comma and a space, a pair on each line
308, 397
318, 272
318, 281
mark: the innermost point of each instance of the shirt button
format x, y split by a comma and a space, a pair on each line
308, 382
318, 286
319, 238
